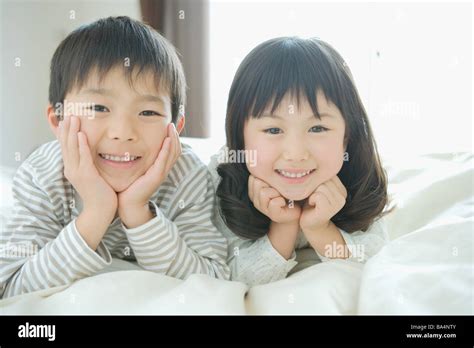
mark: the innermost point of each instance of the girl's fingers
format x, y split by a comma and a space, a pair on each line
312, 199
265, 196
331, 198
258, 185
338, 196
250, 187
318, 195
276, 205
339, 186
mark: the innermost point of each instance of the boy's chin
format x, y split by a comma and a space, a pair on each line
119, 187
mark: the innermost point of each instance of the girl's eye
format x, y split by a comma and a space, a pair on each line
99, 108
318, 129
273, 130
150, 113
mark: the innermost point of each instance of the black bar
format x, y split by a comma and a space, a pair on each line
288, 330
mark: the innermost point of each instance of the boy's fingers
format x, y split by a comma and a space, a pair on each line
171, 155
65, 140
179, 150
84, 150
161, 160
73, 146
61, 140
175, 148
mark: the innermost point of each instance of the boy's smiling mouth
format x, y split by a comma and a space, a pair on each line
118, 161
119, 158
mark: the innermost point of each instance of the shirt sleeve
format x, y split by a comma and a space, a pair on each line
251, 261
36, 250
363, 245
187, 242
257, 262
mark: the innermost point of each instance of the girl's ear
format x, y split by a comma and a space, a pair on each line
52, 120
180, 124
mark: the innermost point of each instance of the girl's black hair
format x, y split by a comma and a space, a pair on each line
116, 41
301, 67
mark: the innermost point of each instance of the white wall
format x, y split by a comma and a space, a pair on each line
417, 89
31, 31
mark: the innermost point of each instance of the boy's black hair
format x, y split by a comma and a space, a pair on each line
109, 42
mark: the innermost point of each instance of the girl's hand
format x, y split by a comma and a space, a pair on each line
270, 202
136, 196
326, 201
79, 169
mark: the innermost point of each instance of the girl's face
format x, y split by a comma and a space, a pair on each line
295, 151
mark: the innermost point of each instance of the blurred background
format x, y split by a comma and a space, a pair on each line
412, 63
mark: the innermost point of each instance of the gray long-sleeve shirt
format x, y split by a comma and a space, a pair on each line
41, 247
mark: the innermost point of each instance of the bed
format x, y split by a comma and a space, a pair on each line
427, 268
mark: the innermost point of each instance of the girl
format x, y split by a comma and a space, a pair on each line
316, 181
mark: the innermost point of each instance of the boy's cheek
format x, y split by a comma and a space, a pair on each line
150, 159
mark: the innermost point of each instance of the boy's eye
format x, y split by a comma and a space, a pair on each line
318, 129
273, 130
150, 113
99, 108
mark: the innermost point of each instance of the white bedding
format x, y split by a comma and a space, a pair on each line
427, 268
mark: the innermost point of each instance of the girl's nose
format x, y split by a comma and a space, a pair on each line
295, 150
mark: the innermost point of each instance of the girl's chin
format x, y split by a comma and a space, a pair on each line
294, 196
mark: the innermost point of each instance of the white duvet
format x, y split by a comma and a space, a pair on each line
427, 268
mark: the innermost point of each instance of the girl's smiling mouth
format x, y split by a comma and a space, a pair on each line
294, 176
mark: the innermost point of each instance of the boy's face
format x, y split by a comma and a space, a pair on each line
127, 122
295, 154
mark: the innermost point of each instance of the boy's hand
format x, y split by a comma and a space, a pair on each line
323, 204
133, 202
79, 169
271, 203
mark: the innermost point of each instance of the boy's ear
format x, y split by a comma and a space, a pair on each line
180, 124
52, 120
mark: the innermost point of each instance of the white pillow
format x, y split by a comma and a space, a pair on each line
331, 287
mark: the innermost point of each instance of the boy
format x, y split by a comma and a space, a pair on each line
116, 182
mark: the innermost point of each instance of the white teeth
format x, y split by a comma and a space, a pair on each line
127, 158
294, 175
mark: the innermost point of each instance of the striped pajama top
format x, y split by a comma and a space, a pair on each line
40, 246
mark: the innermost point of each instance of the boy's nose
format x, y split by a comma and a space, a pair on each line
122, 130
